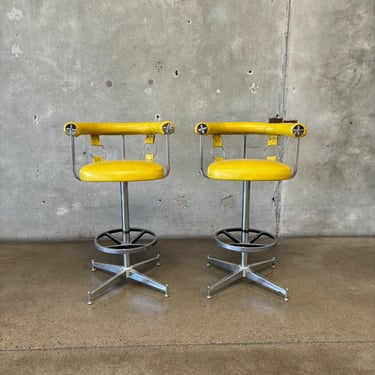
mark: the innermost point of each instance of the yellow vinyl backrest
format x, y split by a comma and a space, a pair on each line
232, 128
118, 128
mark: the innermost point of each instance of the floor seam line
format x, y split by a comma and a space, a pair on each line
274, 343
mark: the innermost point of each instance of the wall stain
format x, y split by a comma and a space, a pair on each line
15, 14
16, 50
148, 91
159, 66
253, 88
181, 201
227, 202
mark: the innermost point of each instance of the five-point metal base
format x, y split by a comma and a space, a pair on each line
239, 271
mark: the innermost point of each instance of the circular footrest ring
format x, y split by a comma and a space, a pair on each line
257, 240
112, 241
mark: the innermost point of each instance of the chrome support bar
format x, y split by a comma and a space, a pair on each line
72, 142
245, 212
167, 129
168, 168
201, 153
295, 164
71, 131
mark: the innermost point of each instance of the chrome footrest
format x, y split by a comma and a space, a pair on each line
111, 241
231, 239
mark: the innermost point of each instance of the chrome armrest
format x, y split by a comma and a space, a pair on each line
202, 129
168, 153
168, 129
295, 161
276, 127
74, 130
71, 130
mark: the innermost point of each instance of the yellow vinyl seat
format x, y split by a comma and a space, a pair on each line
121, 170
126, 240
249, 170
271, 167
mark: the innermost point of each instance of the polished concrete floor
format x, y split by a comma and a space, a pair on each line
327, 327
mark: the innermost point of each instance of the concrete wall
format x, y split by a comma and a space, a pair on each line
186, 61
331, 86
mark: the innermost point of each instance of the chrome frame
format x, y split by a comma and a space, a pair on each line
296, 156
126, 243
71, 130
125, 246
294, 167
245, 239
201, 152
167, 150
244, 243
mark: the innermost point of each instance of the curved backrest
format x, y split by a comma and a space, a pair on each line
114, 170
291, 129
119, 128
243, 168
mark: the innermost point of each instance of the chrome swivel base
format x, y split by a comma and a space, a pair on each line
111, 242
131, 272
244, 241
247, 271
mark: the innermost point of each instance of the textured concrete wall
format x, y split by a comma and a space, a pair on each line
331, 85
187, 61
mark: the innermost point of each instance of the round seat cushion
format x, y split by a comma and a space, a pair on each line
249, 170
121, 171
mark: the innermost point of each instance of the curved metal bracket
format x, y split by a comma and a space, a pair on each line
167, 150
168, 129
203, 173
202, 130
71, 131
295, 163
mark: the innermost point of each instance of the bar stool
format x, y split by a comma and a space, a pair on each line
127, 240
246, 240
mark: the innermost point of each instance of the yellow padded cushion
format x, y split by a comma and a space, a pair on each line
249, 170
121, 170
285, 128
120, 128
